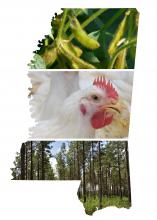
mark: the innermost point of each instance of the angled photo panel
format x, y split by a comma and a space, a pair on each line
102, 167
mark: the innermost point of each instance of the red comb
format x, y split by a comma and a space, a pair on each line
101, 83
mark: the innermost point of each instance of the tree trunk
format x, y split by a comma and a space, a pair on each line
38, 168
102, 180
42, 161
106, 183
78, 162
78, 168
128, 170
70, 172
119, 174
84, 181
93, 173
100, 177
90, 174
109, 180
31, 169
22, 161
26, 163
74, 167
113, 189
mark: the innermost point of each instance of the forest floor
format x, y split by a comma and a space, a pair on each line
91, 204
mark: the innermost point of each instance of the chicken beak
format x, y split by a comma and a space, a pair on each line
115, 107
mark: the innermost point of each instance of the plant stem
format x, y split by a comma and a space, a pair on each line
113, 59
111, 21
62, 24
93, 17
90, 19
68, 23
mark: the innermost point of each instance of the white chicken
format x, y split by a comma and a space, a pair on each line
122, 81
49, 90
93, 111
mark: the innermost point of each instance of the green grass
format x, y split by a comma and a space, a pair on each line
91, 204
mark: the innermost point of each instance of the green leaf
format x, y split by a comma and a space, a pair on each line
90, 56
79, 11
85, 11
95, 35
37, 62
101, 24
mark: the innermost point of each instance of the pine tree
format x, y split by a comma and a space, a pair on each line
23, 162
84, 173
128, 170
100, 175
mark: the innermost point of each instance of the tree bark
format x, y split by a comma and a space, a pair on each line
22, 153
84, 181
106, 183
128, 171
74, 167
119, 173
100, 176
90, 174
38, 168
26, 165
78, 168
109, 180
78, 162
43, 161
93, 173
31, 169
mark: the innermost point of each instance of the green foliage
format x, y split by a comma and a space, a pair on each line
101, 34
102, 167
37, 62
92, 204
61, 163
34, 160
16, 169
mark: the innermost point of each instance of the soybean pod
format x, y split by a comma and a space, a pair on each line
81, 35
120, 62
64, 50
74, 65
74, 49
49, 56
118, 36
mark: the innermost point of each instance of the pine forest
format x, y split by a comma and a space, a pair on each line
102, 167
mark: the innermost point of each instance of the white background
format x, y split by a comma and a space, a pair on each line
22, 23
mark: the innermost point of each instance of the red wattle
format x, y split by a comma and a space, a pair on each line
83, 109
100, 119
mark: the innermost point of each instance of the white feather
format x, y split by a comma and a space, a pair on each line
53, 89
69, 122
54, 105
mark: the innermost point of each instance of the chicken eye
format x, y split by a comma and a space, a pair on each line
95, 97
